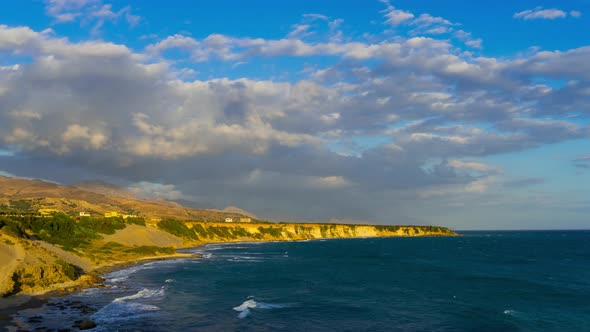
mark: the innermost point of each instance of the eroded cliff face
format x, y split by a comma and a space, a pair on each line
29, 268
219, 232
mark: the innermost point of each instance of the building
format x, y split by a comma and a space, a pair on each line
245, 219
111, 214
125, 216
47, 212
84, 214
229, 220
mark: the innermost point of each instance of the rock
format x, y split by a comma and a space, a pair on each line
85, 324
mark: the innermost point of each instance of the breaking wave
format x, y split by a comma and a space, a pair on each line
245, 307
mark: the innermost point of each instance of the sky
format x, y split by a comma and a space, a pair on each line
471, 115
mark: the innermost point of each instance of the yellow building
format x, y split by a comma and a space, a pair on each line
125, 216
84, 214
245, 219
47, 212
111, 214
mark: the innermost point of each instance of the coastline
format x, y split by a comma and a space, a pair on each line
15, 303
93, 278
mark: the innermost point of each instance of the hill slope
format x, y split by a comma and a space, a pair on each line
95, 198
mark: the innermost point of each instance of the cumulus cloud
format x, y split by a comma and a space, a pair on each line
381, 125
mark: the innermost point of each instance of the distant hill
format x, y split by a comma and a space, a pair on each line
237, 210
104, 188
96, 198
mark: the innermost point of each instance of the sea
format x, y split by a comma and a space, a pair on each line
480, 281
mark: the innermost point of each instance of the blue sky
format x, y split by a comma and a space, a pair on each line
469, 114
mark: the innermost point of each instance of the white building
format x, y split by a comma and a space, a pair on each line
229, 220
84, 214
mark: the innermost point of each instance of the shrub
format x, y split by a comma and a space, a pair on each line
272, 231
67, 269
201, 231
177, 228
61, 229
12, 228
136, 221
103, 225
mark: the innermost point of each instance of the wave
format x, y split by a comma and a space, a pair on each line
245, 307
123, 308
124, 311
120, 275
143, 294
510, 312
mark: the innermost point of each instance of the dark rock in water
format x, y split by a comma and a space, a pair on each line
35, 319
85, 324
64, 330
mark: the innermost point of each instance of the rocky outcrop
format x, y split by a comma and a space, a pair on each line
30, 268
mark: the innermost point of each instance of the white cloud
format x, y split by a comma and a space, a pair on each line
540, 13
94, 12
300, 30
386, 120
146, 189
472, 166
396, 17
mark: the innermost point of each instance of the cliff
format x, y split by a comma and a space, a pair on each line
29, 265
226, 232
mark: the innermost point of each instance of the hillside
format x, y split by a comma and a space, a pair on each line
96, 198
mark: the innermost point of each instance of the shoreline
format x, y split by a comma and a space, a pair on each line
13, 304
93, 278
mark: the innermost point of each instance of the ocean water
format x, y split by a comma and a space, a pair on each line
481, 281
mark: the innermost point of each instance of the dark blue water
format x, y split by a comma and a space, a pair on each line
482, 281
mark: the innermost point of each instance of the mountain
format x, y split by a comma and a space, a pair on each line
104, 188
96, 198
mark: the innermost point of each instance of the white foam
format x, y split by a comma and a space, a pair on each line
169, 280
245, 307
118, 276
118, 279
143, 294
510, 312
123, 311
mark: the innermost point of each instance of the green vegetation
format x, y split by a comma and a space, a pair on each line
102, 225
151, 250
177, 228
224, 232
272, 231
68, 269
12, 228
136, 221
21, 205
61, 229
